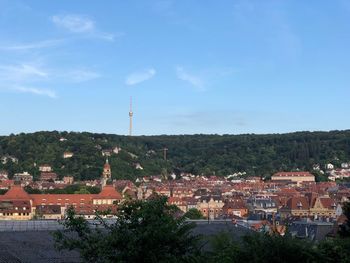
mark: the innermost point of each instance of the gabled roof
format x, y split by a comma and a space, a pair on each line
296, 203
109, 192
16, 192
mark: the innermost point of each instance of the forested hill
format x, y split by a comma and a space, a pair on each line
198, 154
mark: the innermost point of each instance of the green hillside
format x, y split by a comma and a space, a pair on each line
199, 154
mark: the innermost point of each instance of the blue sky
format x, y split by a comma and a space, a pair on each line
225, 67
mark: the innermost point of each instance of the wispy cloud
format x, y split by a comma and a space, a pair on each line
21, 72
34, 45
21, 77
81, 75
74, 23
195, 81
37, 91
140, 76
81, 24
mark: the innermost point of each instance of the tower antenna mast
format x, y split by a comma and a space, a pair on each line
130, 117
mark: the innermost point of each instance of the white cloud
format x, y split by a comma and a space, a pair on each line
17, 77
81, 24
74, 23
36, 91
191, 79
21, 72
140, 76
82, 75
34, 45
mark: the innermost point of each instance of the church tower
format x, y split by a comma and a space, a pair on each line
106, 174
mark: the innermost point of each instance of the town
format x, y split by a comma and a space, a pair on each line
292, 198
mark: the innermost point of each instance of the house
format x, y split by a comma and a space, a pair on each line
107, 152
293, 177
323, 207
24, 178
295, 207
138, 166
4, 175
6, 184
310, 205
48, 176
181, 204
210, 207
117, 149
329, 166
68, 179
45, 168
235, 207
6, 158
48, 211
67, 155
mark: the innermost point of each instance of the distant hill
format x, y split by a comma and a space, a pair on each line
259, 155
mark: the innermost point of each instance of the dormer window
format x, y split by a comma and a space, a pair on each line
299, 205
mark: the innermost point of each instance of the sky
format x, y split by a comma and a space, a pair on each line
210, 67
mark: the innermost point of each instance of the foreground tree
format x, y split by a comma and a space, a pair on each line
145, 231
261, 248
344, 230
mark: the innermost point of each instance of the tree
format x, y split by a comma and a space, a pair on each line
344, 230
145, 231
261, 248
193, 213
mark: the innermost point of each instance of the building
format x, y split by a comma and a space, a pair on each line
67, 155
106, 173
48, 176
295, 207
16, 204
235, 207
4, 175
68, 179
310, 206
45, 168
24, 178
297, 177
211, 208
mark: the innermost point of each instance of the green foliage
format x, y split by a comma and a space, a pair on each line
334, 250
259, 155
262, 248
344, 230
151, 231
146, 231
193, 213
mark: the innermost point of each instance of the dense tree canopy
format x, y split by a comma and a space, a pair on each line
146, 231
153, 231
259, 155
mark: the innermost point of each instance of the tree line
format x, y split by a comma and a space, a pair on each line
257, 155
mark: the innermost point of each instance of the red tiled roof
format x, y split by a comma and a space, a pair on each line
294, 174
39, 199
109, 192
16, 192
296, 203
328, 203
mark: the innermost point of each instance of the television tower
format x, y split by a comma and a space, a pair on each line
130, 117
